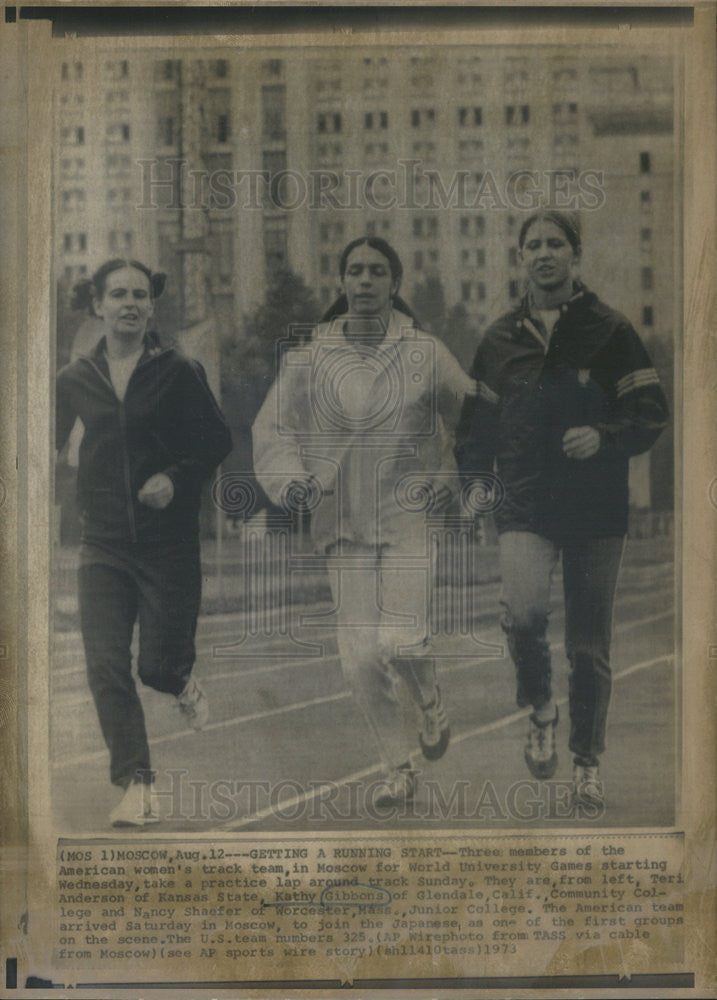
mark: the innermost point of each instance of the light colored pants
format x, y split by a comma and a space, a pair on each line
381, 599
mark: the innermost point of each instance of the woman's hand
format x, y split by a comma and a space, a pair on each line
157, 492
581, 442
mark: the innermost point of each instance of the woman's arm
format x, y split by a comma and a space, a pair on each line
640, 411
208, 438
477, 430
65, 411
277, 463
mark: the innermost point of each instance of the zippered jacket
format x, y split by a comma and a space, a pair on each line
168, 422
374, 428
592, 371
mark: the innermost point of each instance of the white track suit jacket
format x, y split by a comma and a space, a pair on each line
374, 426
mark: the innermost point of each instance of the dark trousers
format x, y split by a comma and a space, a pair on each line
161, 587
590, 571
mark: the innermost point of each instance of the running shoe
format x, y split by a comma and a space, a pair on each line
193, 704
541, 754
435, 732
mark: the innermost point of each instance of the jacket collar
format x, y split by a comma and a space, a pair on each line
151, 347
398, 324
529, 308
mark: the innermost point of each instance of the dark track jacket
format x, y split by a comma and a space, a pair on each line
595, 371
168, 422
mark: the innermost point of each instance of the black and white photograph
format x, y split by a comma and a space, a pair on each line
365, 417
361, 481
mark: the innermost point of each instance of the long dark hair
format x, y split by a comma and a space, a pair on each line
85, 292
341, 304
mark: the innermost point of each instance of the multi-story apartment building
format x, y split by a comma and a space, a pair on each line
239, 163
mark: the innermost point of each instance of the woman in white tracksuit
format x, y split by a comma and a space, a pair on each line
359, 426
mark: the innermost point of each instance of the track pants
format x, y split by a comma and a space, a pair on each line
159, 586
590, 571
381, 598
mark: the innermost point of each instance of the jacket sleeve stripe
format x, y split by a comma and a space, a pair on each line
637, 380
487, 394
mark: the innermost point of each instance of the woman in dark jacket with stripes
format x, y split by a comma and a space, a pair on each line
566, 394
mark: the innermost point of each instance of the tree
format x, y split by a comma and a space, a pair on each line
662, 454
429, 303
248, 362
460, 335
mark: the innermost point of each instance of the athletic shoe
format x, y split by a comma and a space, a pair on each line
588, 792
138, 806
435, 732
398, 787
193, 704
541, 754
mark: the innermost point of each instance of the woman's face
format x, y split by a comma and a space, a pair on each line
126, 304
548, 256
367, 281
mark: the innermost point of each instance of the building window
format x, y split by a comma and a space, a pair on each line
368, 120
470, 116
513, 290
125, 133
480, 258
644, 163
67, 242
119, 242
221, 68
80, 135
274, 164
646, 234
324, 264
418, 227
465, 291
275, 246
329, 122
480, 291
168, 69
646, 279
272, 67
418, 260
647, 316
517, 113
513, 257
166, 131
273, 103
645, 199
222, 128
423, 116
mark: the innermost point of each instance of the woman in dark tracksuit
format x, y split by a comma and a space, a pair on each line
152, 433
566, 394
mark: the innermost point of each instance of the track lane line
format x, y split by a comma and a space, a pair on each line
482, 730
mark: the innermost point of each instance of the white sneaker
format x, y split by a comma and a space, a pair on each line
397, 788
139, 806
193, 704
